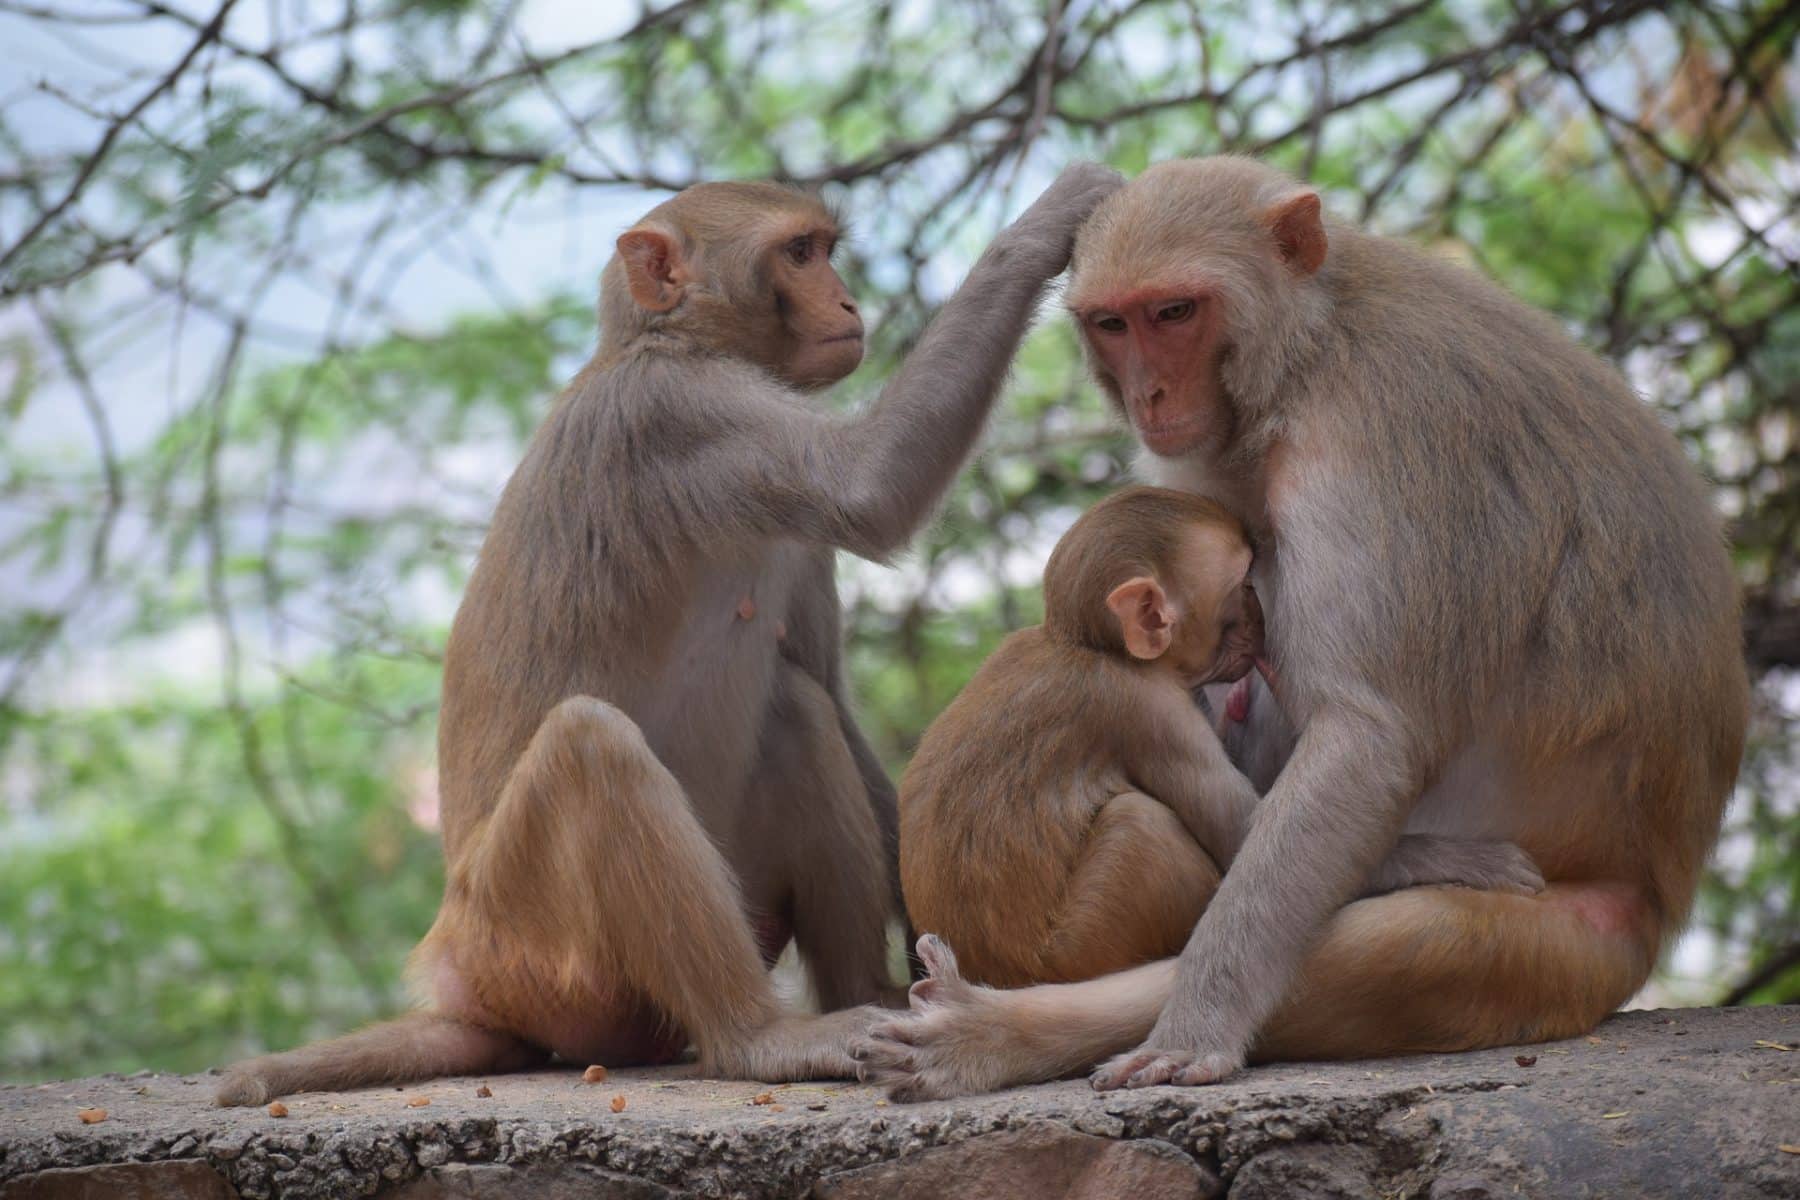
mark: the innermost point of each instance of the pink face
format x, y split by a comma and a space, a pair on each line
1161, 345
822, 319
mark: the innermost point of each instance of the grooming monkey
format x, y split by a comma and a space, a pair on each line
1070, 813
1499, 606
650, 776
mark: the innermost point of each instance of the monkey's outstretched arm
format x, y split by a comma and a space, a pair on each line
867, 483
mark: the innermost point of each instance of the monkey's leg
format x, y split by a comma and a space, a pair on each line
1428, 969
1140, 885
885, 800
1444, 969
837, 869
419, 1045
593, 886
961, 1037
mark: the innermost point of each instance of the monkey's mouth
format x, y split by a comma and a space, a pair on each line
1171, 437
1237, 702
844, 337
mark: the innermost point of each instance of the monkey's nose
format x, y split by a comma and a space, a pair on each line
849, 306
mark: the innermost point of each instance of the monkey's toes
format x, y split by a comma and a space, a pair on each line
904, 1033
881, 1061
938, 958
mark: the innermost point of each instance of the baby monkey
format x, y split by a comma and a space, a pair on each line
1071, 812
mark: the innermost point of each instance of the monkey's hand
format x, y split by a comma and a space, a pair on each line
1491, 865
1178, 1051
1044, 236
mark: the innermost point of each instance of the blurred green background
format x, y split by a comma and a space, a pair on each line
285, 284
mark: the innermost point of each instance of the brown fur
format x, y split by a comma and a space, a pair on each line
1500, 606
1070, 813
649, 768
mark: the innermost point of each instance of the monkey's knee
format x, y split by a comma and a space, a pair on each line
584, 740
1136, 893
587, 785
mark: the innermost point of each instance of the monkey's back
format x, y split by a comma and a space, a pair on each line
998, 800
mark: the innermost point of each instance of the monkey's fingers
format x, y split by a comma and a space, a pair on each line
1145, 1067
1523, 875
1505, 867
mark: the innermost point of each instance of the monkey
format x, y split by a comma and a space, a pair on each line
1499, 605
1070, 813
651, 777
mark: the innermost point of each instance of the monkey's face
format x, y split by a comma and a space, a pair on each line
824, 330
1231, 644
1220, 635
1156, 350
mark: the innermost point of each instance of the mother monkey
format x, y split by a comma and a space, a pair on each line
1499, 606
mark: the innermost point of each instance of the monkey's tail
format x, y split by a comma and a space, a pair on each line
421, 1045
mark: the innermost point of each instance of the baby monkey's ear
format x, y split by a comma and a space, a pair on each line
1146, 619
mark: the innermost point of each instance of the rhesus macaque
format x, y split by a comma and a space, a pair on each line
1499, 606
1070, 813
650, 775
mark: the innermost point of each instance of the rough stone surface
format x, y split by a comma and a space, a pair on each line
539, 1181
1040, 1161
1678, 1104
174, 1179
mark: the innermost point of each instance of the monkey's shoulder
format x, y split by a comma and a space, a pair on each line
651, 404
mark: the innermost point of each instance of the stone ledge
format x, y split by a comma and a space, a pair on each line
1682, 1103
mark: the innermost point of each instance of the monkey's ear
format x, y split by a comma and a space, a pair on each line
655, 271
1145, 618
1299, 231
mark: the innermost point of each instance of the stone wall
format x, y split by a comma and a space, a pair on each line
1691, 1103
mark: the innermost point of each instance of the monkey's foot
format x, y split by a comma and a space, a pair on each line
795, 1047
1150, 1067
959, 1038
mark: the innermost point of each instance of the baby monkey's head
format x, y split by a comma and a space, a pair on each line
1158, 576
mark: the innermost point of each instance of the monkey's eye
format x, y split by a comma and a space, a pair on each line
1179, 310
800, 251
1110, 323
